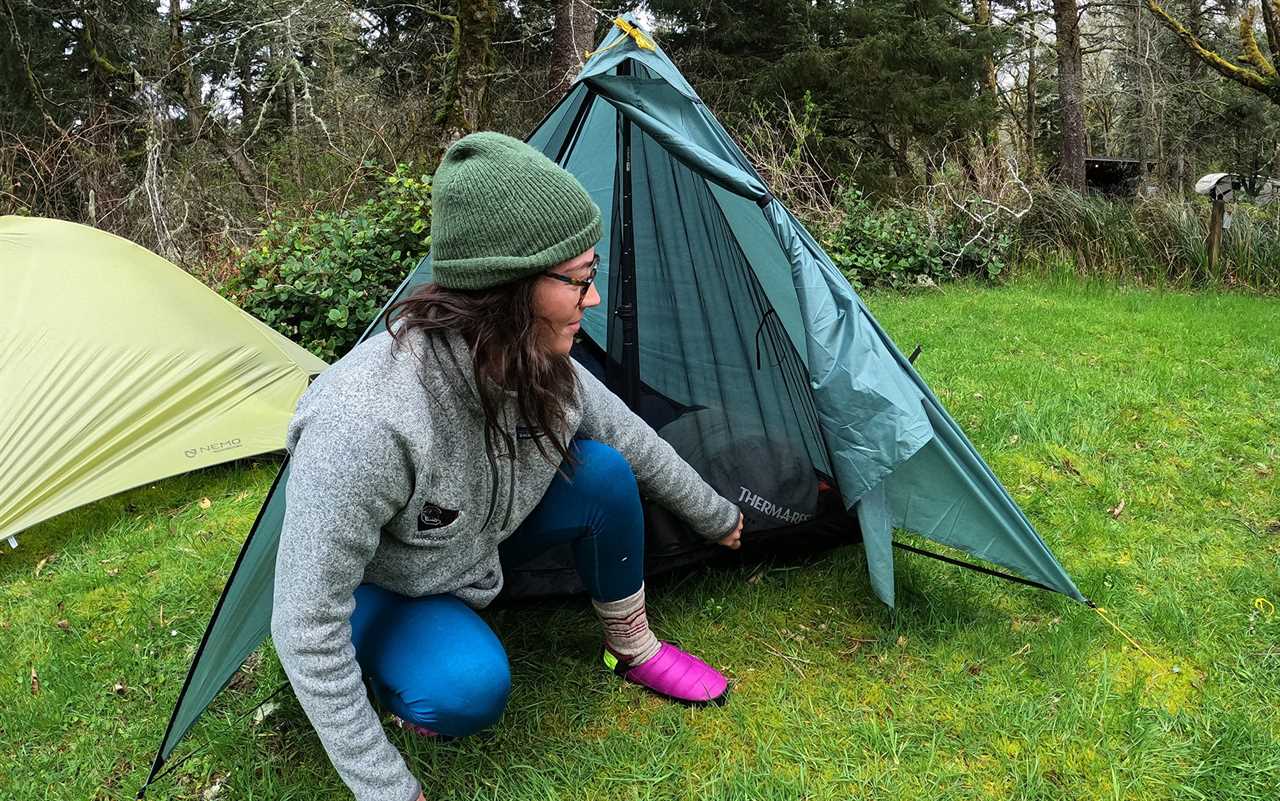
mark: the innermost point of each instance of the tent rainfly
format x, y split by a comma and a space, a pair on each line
118, 368
731, 332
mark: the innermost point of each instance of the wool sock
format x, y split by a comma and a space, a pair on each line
626, 628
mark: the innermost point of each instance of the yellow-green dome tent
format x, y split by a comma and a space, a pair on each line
118, 368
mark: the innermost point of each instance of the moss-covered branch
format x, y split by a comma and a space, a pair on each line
1262, 79
1252, 53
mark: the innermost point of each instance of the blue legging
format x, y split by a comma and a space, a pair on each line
434, 662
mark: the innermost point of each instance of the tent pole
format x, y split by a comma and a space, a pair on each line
575, 127
628, 387
979, 568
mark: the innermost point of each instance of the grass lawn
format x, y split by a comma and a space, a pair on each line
1139, 430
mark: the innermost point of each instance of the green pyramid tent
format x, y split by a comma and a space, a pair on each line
118, 368
731, 332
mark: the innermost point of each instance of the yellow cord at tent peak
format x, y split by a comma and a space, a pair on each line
643, 42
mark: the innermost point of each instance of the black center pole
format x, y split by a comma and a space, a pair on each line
627, 383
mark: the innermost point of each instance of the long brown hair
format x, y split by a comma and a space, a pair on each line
499, 326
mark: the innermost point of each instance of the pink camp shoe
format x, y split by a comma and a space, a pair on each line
674, 674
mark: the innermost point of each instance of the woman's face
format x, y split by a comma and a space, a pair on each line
559, 305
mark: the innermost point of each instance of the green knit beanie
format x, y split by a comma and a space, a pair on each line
502, 211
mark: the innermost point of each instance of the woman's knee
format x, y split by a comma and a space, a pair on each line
465, 695
602, 472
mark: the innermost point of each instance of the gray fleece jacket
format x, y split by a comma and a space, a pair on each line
385, 446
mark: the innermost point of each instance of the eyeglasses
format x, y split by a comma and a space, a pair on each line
583, 284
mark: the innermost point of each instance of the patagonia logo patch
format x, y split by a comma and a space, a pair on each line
433, 516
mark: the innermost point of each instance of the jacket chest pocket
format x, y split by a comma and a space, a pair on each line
438, 522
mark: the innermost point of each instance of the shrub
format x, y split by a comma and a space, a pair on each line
882, 247
322, 279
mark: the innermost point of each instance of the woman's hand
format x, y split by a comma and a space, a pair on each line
422, 796
734, 538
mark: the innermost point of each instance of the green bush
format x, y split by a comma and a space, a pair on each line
322, 279
881, 247
897, 246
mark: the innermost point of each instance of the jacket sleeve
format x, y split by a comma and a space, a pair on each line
660, 472
347, 478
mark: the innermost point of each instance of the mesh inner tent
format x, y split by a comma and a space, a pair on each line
709, 340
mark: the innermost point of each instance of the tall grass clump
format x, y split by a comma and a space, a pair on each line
1157, 240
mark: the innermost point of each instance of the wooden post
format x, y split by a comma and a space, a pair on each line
1214, 242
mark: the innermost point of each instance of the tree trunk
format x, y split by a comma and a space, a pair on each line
245, 89
202, 124
1271, 22
1141, 100
1195, 17
574, 34
1066, 18
1033, 75
989, 87
472, 66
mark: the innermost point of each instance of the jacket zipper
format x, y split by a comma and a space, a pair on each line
511, 485
493, 478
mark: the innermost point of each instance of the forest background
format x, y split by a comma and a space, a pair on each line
281, 150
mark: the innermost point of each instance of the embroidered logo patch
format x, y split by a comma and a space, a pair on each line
433, 516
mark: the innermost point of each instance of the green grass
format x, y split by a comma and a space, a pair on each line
1080, 397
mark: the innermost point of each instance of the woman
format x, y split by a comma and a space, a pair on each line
463, 437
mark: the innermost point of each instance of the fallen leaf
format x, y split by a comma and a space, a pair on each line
205, 503
261, 713
64, 624
1116, 510
119, 688
35, 681
1013, 440
45, 562
211, 792
1263, 470
974, 669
